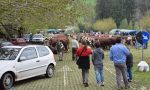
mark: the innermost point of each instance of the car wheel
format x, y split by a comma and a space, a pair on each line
50, 71
7, 81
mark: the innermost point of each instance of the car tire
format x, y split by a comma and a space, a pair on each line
50, 71
7, 81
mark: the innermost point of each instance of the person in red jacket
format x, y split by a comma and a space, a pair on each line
83, 52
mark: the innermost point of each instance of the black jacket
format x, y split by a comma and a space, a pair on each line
129, 61
84, 62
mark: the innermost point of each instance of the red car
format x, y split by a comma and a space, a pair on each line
18, 41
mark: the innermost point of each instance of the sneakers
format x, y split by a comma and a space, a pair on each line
102, 84
129, 80
86, 84
127, 87
120, 88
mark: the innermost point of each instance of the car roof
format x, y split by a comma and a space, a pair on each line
21, 46
12, 47
38, 34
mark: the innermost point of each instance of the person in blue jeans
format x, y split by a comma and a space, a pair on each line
129, 63
97, 60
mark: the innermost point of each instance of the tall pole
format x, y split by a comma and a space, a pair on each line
142, 52
139, 16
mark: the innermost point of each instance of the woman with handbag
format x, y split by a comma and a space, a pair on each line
83, 52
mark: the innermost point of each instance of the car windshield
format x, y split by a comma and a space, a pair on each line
6, 44
37, 36
26, 36
2, 40
9, 53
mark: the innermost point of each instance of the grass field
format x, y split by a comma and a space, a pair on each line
68, 76
141, 78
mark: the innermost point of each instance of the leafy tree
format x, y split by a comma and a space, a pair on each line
29, 15
130, 10
104, 25
103, 9
145, 22
117, 9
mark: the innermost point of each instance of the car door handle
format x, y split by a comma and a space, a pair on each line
38, 61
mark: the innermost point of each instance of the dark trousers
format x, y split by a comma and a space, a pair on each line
74, 53
129, 70
121, 70
85, 75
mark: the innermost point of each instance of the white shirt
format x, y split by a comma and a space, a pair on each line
75, 43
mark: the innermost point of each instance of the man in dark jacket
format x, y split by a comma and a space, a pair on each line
129, 63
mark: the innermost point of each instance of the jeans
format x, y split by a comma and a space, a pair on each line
99, 72
137, 45
129, 70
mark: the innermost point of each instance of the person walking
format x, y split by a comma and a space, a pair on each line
118, 53
83, 52
60, 50
129, 63
97, 60
75, 46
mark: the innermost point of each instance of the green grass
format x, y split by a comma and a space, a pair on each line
141, 78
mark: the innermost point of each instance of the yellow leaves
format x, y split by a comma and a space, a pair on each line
104, 25
145, 22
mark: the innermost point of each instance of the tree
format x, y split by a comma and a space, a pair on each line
117, 9
145, 22
104, 25
130, 10
103, 9
32, 15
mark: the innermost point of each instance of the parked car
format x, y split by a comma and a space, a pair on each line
38, 38
26, 37
18, 41
5, 43
22, 62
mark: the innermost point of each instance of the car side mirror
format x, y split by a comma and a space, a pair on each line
22, 58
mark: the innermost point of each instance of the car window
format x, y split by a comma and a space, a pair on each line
9, 53
43, 51
38, 36
29, 53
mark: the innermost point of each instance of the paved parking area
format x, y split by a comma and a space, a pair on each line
68, 77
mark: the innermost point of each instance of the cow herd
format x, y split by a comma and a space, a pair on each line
105, 40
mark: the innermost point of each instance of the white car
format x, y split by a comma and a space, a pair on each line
22, 62
38, 38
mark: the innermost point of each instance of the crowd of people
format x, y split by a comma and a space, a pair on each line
119, 54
